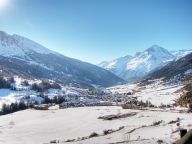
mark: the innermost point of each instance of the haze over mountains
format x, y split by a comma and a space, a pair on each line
132, 68
21, 56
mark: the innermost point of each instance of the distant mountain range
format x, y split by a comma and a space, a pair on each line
176, 70
24, 57
133, 68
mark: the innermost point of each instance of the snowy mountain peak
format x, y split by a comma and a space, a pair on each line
161, 54
127, 56
15, 45
137, 66
155, 47
157, 50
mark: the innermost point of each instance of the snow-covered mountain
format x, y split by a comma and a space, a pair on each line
116, 66
181, 53
132, 68
17, 46
21, 56
176, 70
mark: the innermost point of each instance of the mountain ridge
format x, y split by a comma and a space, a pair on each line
177, 70
142, 63
20, 55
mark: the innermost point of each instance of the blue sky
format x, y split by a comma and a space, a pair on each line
97, 30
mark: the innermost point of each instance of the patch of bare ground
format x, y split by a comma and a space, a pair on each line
117, 116
174, 121
94, 134
129, 141
156, 123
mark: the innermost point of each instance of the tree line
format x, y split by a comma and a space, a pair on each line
14, 107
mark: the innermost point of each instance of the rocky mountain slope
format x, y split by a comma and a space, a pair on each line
177, 70
21, 56
132, 68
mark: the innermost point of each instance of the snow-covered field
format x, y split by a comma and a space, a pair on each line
157, 92
40, 127
123, 88
33, 126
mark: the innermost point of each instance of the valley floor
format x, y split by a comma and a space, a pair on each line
40, 127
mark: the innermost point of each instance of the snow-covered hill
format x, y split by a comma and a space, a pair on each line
21, 56
132, 68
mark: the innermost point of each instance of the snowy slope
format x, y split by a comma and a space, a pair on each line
132, 68
15, 45
176, 70
181, 53
116, 66
22, 56
38, 127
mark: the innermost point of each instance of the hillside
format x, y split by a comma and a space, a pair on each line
177, 69
21, 56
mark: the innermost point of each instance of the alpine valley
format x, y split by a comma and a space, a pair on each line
46, 97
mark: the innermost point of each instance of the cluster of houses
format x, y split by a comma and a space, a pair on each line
72, 96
